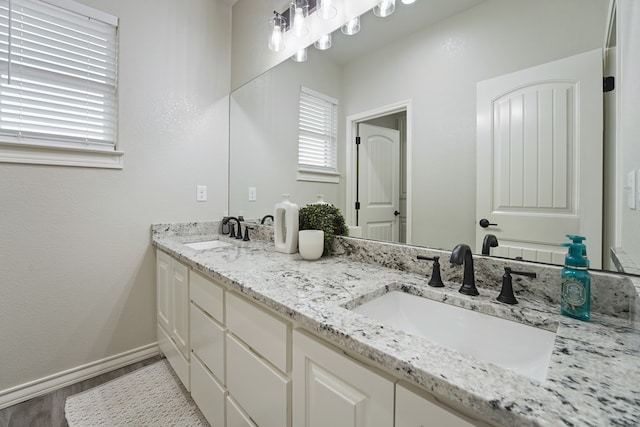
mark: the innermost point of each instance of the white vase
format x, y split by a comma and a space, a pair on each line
311, 244
285, 226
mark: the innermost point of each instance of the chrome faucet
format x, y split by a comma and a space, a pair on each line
462, 254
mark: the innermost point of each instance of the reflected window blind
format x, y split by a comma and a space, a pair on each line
58, 72
318, 129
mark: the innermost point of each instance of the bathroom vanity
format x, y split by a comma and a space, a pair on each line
272, 340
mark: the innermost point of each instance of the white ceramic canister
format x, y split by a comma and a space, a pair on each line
311, 244
285, 226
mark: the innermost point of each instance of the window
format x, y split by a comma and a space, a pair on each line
58, 75
317, 137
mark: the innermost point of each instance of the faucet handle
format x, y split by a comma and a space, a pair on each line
232, 230
246, 233
506, 293
436, 278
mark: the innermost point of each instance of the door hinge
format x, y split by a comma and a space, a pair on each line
357, 140
357, 205
608, 84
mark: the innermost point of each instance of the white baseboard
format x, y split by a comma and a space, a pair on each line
26, 391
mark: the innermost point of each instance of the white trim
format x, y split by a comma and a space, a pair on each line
351, 132
39, 387
84, 10
11, 152
318, 176
320, 95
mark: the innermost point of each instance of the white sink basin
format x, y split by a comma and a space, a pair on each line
511, 345
209, 244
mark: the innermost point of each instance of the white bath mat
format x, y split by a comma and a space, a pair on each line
150, 396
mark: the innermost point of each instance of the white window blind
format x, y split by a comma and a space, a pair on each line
58, 74
318, 130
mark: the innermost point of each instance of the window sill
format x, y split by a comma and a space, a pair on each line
318, 176
60, 156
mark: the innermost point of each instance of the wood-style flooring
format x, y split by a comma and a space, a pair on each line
48, 410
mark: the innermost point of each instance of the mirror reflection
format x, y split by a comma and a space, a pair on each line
409, 84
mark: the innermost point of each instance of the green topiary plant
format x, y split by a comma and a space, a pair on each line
325, 217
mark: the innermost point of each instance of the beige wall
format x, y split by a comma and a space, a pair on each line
438, 69
77, 272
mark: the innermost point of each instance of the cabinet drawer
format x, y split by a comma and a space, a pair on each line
262, 331
236, 417
208, 295
261, 390
208, 394
207, 342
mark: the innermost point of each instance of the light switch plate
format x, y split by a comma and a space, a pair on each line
631, 189
253, 194
201, 193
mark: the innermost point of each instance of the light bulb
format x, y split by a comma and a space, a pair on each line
384, 8
300, 56
298, 23
408, 1
351, 27
324, 42
327, 9
276, 41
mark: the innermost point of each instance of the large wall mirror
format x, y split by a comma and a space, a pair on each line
416, 73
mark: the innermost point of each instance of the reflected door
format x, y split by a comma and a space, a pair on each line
539, 159
379, 182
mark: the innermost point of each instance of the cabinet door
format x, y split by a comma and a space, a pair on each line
163, 272
330, 389
416, 408
180, 307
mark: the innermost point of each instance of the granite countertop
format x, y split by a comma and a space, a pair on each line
593, 379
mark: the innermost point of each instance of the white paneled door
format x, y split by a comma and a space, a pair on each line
379, 182
539, 159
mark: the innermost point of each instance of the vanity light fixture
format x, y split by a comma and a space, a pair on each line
277, 27
300, 56
351, 27
408, 1
298, 12
324, 42
384, 8
327, 9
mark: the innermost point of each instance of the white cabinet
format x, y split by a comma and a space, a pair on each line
180, 307
258, 360
207, 347
236, 416
172, 286
208, 393
330, 389
263, 332
416, 408
163, 276
259, 388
